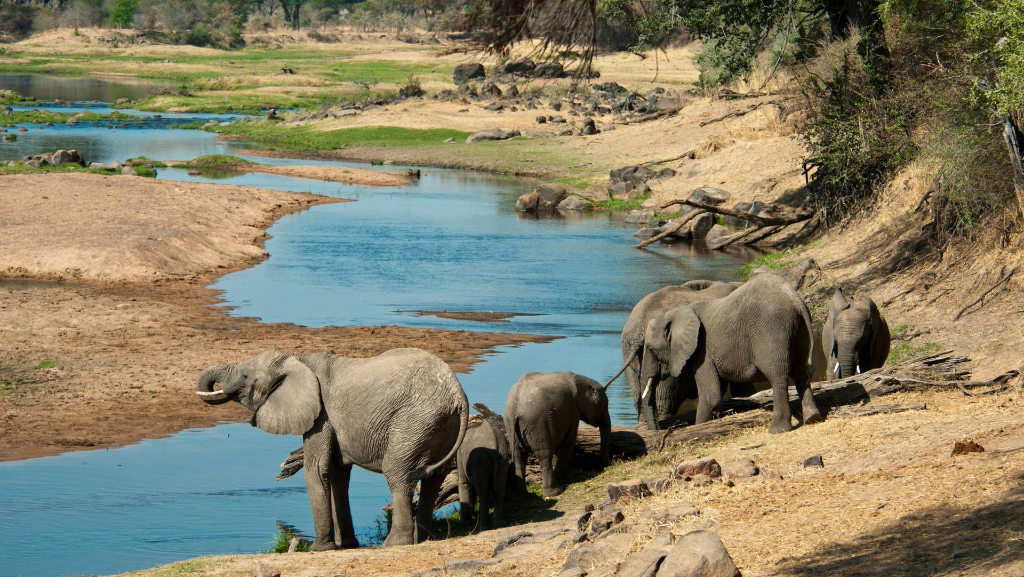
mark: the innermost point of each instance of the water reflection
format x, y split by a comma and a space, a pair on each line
48, 88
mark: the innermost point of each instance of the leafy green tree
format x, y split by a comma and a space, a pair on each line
122, 13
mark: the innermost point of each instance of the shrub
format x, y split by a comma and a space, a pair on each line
122, 13
16, 20
200, 35
84, 13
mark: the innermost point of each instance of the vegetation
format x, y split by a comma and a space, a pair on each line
620, 205
17, 117
306, 138
219, 161
905, 352
20, 168
283, 540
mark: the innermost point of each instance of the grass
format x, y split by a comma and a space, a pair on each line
305, 138
283, 540
219, 161
905, 351
20, 168
43, 116
619, 205
46, 365
775, 261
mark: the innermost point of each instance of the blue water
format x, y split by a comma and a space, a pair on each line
449, 242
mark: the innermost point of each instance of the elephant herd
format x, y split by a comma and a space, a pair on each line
404, 414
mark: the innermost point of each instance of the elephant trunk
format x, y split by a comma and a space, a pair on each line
606, 441
647, 403
204, 387
847, 363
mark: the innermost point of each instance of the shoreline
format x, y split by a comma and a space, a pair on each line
97, 363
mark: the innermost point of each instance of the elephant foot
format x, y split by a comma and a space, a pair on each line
779, 426
552, 492
322, 546
394, 539
813, 417
352, 543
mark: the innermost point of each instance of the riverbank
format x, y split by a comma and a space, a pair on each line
107, 318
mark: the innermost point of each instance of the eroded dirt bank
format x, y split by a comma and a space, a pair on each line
109, 355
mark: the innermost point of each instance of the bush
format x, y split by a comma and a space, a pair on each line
84, 13
16, 21
122, 13
200, 35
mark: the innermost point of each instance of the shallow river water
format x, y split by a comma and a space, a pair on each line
449, 242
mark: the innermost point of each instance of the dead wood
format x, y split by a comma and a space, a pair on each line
868, 410
774, 214
687, 154
732, 238
734, 113
1004, 278
656, 115
671, 230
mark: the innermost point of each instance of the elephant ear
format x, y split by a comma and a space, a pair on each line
294, 404
683, 332
837, 304
589, 394
880, 338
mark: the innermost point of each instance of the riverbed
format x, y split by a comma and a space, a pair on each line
450, 242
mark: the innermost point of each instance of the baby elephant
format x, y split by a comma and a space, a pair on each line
482, 462
542, 417
855, 337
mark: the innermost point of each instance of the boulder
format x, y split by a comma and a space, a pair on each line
645, 563
604, 519
128, 171
620, 189
608, 127
554, 192
492, 134
673, 513
542, 119
741, 206
597, 193
693, 467
814, 462
612, 88
464, 72
716, 233
525, 66
589, 556
549, 70
640, 215
556, 119
67, 157
565, 132
709, 195
532, 202
121, 101
512, 91
32, 163
490, 88
22, 129
701, 225
589, 128
71, 121
740, 469
647, 232
698, 554
632, 489
635, 174
573, 203
665, 173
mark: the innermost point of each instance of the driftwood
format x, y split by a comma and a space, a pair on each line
656, 115
687, 154
672, 230
777, 214
937, 371
734, 113
750, 236
1003, 279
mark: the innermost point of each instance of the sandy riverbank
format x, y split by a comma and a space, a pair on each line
109, 355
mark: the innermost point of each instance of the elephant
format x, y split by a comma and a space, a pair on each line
483, 466
661, 301
759, 332
855, 336
542, 417
402, 413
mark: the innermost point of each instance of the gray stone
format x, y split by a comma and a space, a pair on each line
549, 70
673, 513
660, 484
632, 489
589, 128
717, 232
556, 120
588, 556
512, 91
129, 171
739, 469
22, 129
464, 72
693, 467
565, 132
814, 462
72, 121
32, 163
608, 127
698, 554
542, 119
709, 195
490, 88
640, 215
621, 188
532, 202
604, 519
573, 203
597, 193
741, 206
665, 173
701, 225
645, 562
525, 66
647, 232
67, 157
492, 134
554, 192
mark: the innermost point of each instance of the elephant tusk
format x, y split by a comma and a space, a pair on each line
647, 389
212, 395
858, 369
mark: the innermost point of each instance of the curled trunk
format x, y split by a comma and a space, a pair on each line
204, 386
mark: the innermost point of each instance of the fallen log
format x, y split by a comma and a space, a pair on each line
774, 214
673, 229
868, 410
656, 115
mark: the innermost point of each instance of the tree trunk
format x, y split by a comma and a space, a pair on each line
1015, 146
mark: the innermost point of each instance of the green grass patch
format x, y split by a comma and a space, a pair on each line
905, 351
283, 540
619, 205
219, 161
46, 365
304, 138
580, 182
774, 261
43, 116
20, 168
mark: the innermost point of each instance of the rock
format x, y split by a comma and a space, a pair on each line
565, 132
495, 107
490, 88
492, 134
603, 520
22, 129
665, 173
128, 171
635, 174
709, 195
645, 563
632, 489
608, 127
542, 119
647, 232
554, 192
673, 513
741, 206
512, 91
556, 119
814, 462
525, 66
611, 88
589, 128
701, 225
450, 140
510, 541
642, 189
588, 556
264, 570
573, 203
272, 114
640, 215
740, 469
549, 70
716, 233
959, 448
32, 163
67, 157
71, 121
120, 101
596, 193
619, 189
660, 484
464, 72
532, 202
698, 554
693, 467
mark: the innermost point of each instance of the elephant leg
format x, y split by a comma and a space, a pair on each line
564, 456
466, 498
709, 393
402, 529
809, 412
547, 472
316, 465
340, 476
429, 489
519, 460
486, 500
499, 493
782, 416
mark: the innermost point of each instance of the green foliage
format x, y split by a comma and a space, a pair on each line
774, 261
200, 35
219, 161
619, 205
46, 365
997, 28
122, 13
305, 138
905, 352
282, 540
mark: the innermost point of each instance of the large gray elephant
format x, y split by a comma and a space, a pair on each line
760, 332
402, 413
671, 394
542, 416
855, 336
483, 467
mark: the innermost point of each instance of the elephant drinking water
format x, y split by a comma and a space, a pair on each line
402, 413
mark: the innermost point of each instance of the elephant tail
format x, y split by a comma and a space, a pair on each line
623, 369
810, 332
463, 406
